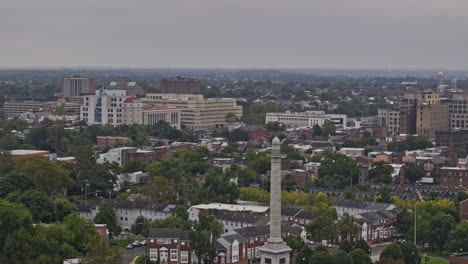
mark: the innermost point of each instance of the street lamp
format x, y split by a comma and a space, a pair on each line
416, 185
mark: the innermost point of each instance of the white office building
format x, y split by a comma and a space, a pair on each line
306, 119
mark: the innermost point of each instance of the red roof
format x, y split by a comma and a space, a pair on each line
130, 99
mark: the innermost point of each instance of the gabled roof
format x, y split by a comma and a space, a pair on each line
360, 204
264, 230
371, 217
126, 204
288, 211
239, 216
166, 233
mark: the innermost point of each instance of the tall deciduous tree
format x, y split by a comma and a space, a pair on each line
46, 175
392, 251
439, 229
362, 244
323, 225
37, 202
337, 170
359, 256
106, 215
342, 257
413, 173
160, 189
347, 227
322, 257
410, 253
458, 238
381, 172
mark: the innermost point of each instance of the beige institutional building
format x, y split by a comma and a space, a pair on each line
115, 107
198, 113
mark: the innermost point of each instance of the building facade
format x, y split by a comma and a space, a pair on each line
390, 119
131, 87
454, 177
179, 85
306, 119
198, 113
423, 113
127, 211
104, 107
458, 107
456, 141
105, 142
115, 107
77, 85
431, 118
137, 112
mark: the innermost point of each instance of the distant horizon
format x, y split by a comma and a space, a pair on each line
61, 67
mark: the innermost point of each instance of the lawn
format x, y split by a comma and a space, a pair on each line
434, 261
121, 242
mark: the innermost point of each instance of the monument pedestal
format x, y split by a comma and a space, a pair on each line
275, 253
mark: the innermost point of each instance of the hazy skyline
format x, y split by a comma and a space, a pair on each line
235, 33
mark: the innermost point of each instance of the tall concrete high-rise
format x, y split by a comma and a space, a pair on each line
77, 85
275, 251
179, 85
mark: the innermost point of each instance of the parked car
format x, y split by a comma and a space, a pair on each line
136, 243
143, 243
130, 246
310, 242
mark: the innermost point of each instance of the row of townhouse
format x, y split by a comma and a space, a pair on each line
239, 246
128, 211
239, 216
357, 207
378, 226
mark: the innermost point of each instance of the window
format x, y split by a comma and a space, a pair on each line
153, 254
160, 241
184, 257
173, 254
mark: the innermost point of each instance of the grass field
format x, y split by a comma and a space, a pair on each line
121, 242
435, 261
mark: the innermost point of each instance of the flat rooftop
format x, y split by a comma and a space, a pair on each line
233, 207
28, 152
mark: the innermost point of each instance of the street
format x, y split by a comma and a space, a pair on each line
129, 253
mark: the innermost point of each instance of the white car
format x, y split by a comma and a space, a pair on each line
143, 243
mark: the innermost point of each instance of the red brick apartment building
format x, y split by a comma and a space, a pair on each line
179, 85
454, 177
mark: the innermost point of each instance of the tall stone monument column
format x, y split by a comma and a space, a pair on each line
275, 251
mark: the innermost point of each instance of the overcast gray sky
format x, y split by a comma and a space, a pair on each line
235, 33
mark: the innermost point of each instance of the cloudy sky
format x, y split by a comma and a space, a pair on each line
235, 33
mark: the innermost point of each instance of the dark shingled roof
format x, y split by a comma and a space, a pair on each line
288, 211
176, 233
360, 204
377, 216
264, 230
239, 216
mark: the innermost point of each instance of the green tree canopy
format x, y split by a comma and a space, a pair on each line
46, 175
413, 172
321, 257
323, 226
439, 229
381, 172
410, 253
362, 244
342, 257
347, 227
392, 251
337, 171
359, 256
106, 215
